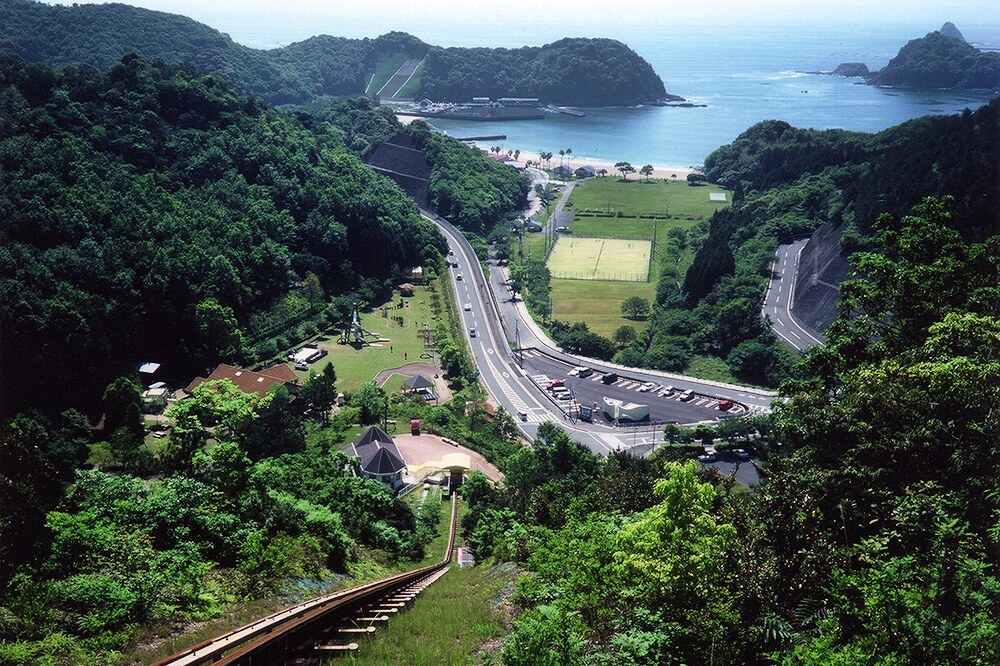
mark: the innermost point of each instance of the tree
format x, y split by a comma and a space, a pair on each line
123, 408
218, 333
562, 153
635, 307
625, 168
320, 391
373, 402
646, 171
624, 335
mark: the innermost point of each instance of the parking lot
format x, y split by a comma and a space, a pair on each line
664, 405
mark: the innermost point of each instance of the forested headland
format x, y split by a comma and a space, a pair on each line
936, 61
586, 72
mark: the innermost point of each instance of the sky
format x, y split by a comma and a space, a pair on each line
382, 15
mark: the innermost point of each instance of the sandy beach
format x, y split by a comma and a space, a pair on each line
576, 161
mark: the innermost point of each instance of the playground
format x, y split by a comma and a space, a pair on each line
609, 259
399, 331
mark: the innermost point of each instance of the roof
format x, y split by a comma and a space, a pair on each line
378, 453
281, 371
586, 168
149, 368
247, 381
418, 382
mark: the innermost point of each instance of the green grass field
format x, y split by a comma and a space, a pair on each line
656, 197
597, 302
600, 259
357, 366
387, 65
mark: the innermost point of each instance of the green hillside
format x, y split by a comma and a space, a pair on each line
937, 61
570, 71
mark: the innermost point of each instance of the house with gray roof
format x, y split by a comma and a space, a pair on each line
379, 457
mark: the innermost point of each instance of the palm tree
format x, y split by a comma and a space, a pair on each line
569, 152
562, 153
517, 154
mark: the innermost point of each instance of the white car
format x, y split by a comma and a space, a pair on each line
467, 307
648, 386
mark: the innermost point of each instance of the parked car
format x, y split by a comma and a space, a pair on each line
580, 371
610, 378
725, 405
555, 383
707, 457
687, 395
648, 386
667, 390
562, 395
741, 454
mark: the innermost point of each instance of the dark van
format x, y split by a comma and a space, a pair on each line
610, 378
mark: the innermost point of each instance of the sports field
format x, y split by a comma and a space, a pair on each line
600, 259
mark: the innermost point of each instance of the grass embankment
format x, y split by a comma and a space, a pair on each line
411, 87
447, 622
386, 66
649, 210
402, 326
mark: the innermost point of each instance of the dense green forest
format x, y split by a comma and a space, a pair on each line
874, 537
787, 182
584, 72
937, 61
570, 71
154, 213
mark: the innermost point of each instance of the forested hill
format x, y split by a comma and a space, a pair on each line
584, 72
155, 213
571, 71
937, 61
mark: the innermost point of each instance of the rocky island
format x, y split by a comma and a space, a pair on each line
939, 60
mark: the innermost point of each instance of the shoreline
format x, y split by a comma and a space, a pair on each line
663, 171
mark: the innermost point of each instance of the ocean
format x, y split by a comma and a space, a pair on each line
742, 73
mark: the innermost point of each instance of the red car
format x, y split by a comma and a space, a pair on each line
554, 384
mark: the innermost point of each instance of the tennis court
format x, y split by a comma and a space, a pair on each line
600, 259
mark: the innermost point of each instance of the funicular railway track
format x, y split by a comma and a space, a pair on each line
311, 632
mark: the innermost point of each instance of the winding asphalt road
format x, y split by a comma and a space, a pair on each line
499, 322
780, 295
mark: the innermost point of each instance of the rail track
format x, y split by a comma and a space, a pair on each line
314, 630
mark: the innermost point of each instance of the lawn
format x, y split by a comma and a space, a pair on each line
655, 197
387, 65
358, 365
597, 302
600, 259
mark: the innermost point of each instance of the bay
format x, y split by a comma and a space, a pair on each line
742, 73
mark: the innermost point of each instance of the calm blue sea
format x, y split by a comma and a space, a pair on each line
744, 74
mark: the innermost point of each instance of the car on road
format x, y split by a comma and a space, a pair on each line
741, 454
451, 253
610, 378
472, 332
467, 307
454, 264
459, 277
648, 386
